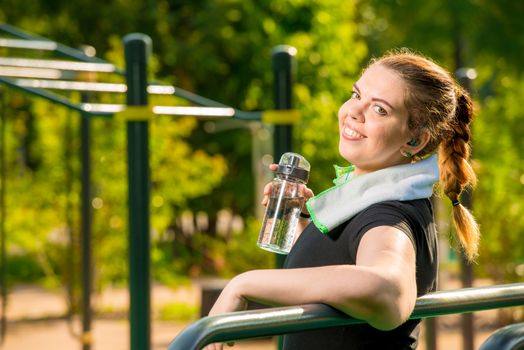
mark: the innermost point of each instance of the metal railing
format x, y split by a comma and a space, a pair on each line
510, 337
282, 320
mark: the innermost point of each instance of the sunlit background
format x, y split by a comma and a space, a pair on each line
207, 174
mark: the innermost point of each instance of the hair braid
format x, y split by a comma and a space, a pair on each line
456, 173
437, 105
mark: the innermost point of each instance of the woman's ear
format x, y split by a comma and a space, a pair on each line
417, 143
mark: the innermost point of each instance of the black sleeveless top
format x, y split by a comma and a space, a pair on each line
340, 245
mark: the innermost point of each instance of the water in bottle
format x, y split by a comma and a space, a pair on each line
285, 204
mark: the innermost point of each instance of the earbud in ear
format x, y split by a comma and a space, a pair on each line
412, 142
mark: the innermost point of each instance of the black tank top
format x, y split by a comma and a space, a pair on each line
340, 245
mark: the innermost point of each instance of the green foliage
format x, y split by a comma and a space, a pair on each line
499, 147
197, 254
179, 312
221, 49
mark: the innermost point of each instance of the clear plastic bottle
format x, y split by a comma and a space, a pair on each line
285, 203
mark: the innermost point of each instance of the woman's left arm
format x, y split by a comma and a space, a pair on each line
380, 288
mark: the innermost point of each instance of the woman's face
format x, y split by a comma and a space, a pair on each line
373, 123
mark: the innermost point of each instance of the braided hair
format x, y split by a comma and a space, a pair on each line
439, 106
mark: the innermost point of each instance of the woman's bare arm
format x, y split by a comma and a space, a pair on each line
380, 289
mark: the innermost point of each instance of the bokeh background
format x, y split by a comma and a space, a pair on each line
206, 175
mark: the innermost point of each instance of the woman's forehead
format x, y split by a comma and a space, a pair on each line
382, 82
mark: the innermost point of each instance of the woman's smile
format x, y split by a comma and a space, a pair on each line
351, 134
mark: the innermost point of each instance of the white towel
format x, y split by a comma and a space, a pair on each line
401, 182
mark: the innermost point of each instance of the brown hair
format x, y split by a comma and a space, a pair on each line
436, 103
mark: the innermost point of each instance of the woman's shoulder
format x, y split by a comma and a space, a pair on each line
417, 209
413, 217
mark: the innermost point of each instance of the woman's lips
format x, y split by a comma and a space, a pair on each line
352, 134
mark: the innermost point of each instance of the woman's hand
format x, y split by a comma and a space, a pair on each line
304, 191
230, 300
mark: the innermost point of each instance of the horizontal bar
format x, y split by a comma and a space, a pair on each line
89, 86
51, 76
52, 83
44, 94
196, 111
58, 64
38, 73
282, 320
45, 45
36, 87
59, 48
79, 55
199, 100
71, 85
213, 112
102, 108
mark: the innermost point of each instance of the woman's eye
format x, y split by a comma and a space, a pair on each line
380, 110
354, 94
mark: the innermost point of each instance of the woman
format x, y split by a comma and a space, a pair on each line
371, 247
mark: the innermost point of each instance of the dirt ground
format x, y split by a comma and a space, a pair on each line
35, 321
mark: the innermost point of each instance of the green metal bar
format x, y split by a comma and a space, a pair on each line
282, 320
199, 100
58, 64
282, 57
282, 62
94, 109
86, 216
71, 85
84, 86
45, 94
36, 73
510, 337
3, 248
212, 112
60, 48
137, 48
44, 45
81, 56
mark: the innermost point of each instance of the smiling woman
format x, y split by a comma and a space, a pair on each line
374, 121
371, 246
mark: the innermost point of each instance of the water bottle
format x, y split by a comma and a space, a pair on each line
285, 204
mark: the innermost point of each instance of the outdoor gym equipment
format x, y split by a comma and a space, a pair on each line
44, 77
282, 320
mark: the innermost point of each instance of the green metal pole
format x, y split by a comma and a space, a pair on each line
86, 215
86, 227
3, 249
282, 61
137, 48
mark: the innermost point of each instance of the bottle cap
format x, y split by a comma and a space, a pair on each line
295, 166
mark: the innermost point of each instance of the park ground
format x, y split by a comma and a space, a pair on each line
35, 320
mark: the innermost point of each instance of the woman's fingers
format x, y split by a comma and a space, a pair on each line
267, 188
266, 193
306, 192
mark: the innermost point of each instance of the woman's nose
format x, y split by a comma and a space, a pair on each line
357, 114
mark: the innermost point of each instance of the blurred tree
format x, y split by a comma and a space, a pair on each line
219, 49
